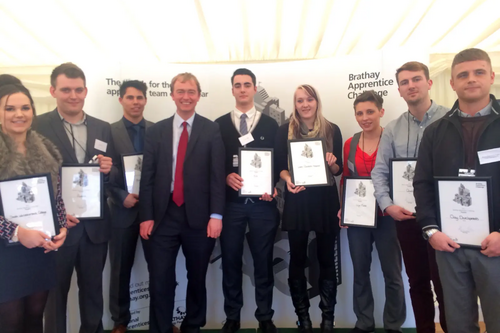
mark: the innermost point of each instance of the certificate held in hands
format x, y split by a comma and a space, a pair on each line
308, 166
82, 188
256, 168
359, 206
465, 208
132, 168
402, 172
29, 202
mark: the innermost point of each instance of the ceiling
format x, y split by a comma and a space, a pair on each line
48, 32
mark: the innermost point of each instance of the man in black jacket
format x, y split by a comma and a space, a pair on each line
79, 137
246, 127
455, 142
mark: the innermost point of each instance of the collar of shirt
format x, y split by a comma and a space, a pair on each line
431, 112
129, 124
80, 122
250, 113
483, 112
178, 121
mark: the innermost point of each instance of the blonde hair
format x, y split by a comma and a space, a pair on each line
325, 128
184, 77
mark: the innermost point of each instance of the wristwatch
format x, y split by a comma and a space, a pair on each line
14, 237
429, 232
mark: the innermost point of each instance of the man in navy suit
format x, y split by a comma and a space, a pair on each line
182, 195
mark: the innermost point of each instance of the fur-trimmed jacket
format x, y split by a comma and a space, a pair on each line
41, 156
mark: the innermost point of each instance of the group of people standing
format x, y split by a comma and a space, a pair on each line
189, 197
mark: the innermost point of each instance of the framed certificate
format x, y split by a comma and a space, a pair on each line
132, 168
29, 202
401, 174
465, 208
256, 168
82, 188
359, 206
308, 166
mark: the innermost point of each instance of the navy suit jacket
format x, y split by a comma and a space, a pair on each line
204, 173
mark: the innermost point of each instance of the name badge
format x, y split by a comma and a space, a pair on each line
235, 161
489, 156
466, 172
246, 139
100, 145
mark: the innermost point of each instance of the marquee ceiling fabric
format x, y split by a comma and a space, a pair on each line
48, 32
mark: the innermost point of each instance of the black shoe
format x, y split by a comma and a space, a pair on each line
392, 331
230, 326
359, 330
267, 326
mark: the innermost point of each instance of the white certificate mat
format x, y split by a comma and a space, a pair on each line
308, 164
464, 209
82, 190
132, 168
256, 169
29, 202
359, 203
402, 173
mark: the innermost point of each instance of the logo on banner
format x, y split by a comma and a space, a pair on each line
359, 83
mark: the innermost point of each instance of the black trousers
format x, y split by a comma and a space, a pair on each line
262, 221
122, 246
172, 233
88, 260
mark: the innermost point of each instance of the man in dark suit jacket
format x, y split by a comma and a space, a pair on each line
79, 137
259, 215
128, 136
182, 202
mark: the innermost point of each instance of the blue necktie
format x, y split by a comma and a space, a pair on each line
138, 142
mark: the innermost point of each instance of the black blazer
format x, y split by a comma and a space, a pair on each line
51, 126
204, 174
122, 217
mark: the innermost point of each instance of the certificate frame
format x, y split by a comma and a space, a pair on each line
358, 192
402, 179
296, 162
263, 159
130, 167
463, 206
23, 185
69, 185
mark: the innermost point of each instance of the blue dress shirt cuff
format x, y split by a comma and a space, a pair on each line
216, 216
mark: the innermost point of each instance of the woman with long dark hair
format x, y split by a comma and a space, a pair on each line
312, 209
27, 271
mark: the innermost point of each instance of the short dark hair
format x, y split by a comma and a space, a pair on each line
470, 55
413, 66
244, 71
9, 79
369, 96
70, 70
139, 85
11, 89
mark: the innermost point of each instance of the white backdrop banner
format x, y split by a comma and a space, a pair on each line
338, 81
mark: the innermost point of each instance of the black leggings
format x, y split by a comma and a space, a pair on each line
23, 315
325, 248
